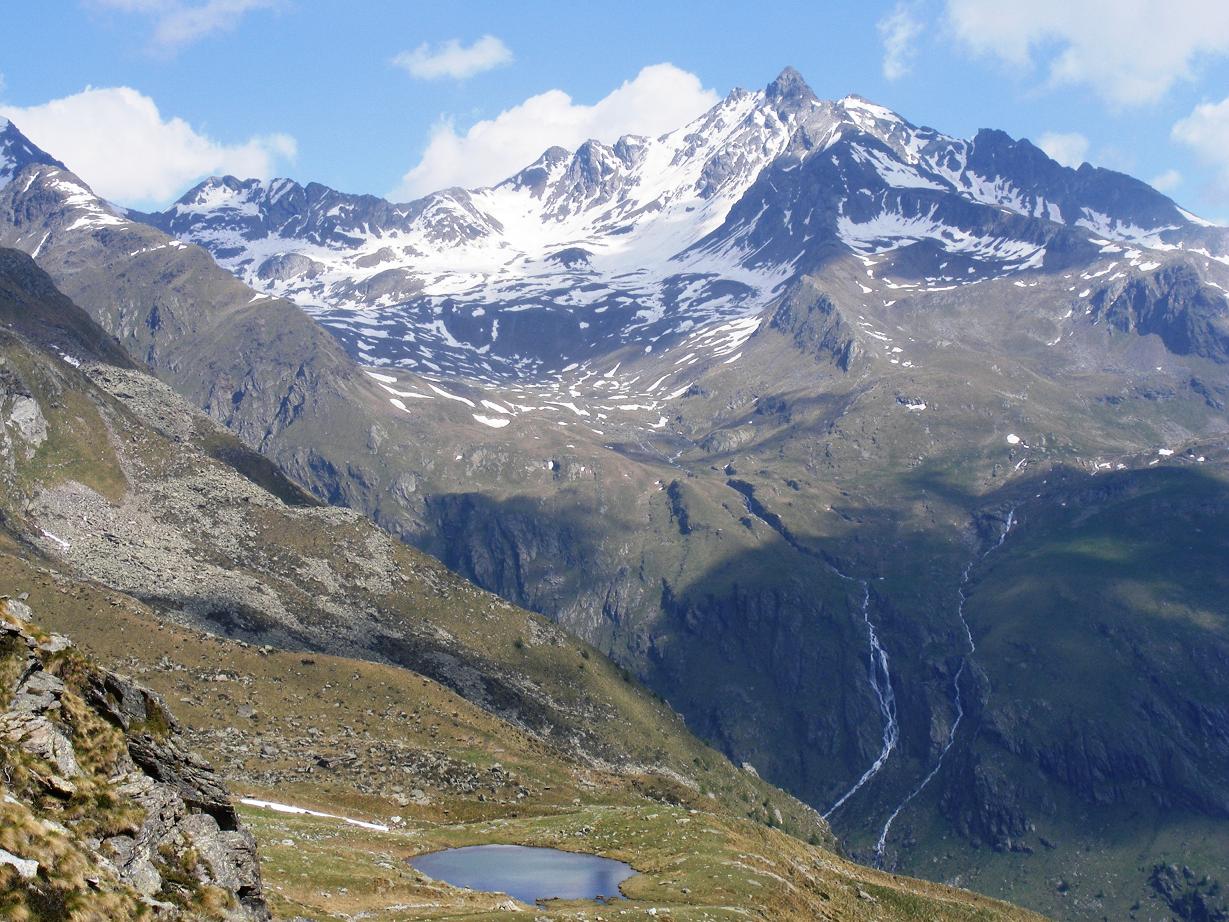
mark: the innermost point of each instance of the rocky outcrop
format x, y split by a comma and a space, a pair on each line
1173, 303
95, 768
1191, 897
23, 427
286, 266
815, 325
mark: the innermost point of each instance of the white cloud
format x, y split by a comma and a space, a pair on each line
177, 23
899, 30
452, 59
1128, 51
1068, 148
1206, 132
660, 98
1167, 181
116, 140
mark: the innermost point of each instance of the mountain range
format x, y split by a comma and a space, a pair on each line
589, 256
894, 462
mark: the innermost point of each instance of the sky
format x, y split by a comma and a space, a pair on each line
143, 98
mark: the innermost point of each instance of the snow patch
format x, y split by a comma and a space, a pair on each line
303, 811
492, 421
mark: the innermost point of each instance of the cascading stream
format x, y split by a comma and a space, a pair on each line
879, 675
881, 685
957, 698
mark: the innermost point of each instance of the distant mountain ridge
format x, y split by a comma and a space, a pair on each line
586, 252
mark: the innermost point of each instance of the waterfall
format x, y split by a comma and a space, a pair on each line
957, 698
881, 684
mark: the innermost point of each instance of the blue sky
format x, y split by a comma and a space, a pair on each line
354, 95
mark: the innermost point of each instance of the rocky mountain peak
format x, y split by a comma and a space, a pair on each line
877, 121
630, 148
789, 90
533, 174
218, 190
50, 189
17, 151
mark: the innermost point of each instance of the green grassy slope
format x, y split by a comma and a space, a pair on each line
1104, 656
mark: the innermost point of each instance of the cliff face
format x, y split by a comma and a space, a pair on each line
105, 813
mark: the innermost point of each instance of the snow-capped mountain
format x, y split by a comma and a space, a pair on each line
48, 187
16, 151
635, 245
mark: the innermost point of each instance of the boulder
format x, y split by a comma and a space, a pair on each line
25, 867
40, 737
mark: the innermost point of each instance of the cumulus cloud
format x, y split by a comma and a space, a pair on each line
1129, 51
899, 31
1167, 181
454, 60
177, 23
1069, 148
1206, 132
117, 141
660, 98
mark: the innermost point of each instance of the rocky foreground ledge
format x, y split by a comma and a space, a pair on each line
104, 813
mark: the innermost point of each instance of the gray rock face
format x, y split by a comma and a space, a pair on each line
126, 703
27, 418
38, 693
187, 775
815, 325
23, 428
1173, 303
184, 803
40, 737
27, 721
27, 868
227, 856
18, 610
286, 266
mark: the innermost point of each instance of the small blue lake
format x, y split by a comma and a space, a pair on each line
528, 874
